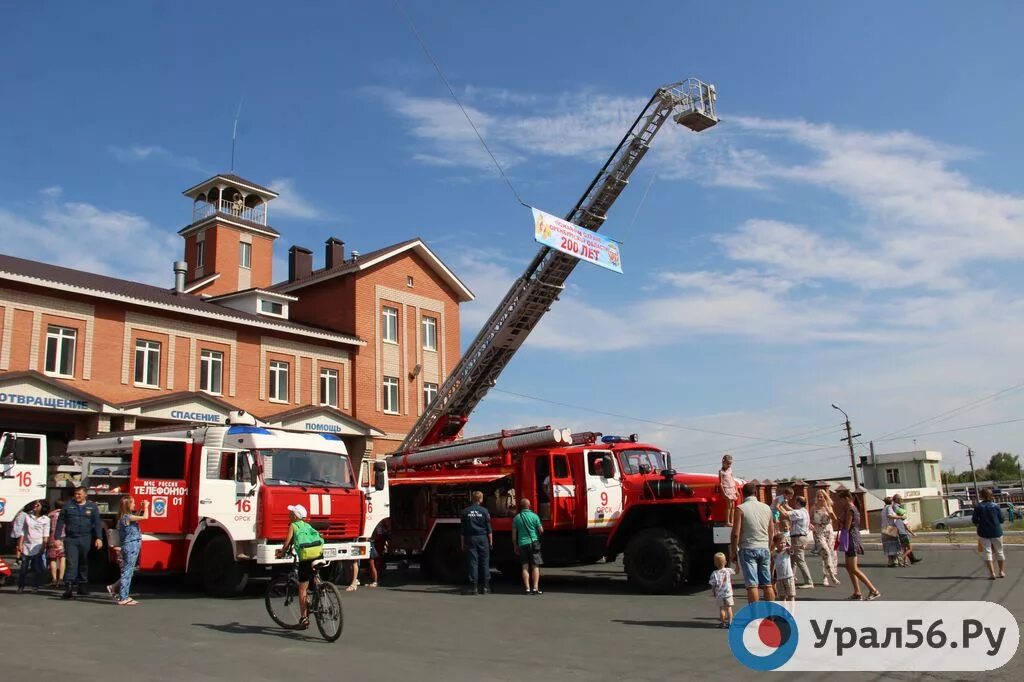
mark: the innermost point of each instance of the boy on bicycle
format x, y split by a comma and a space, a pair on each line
297, 515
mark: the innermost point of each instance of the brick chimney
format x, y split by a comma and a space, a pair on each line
300, 263
334, 255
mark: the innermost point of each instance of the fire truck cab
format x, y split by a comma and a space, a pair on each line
22, 472
599, 499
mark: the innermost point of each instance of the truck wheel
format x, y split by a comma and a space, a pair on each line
444, 559
655, 561
222, 575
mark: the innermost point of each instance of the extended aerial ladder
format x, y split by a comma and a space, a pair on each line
531, 295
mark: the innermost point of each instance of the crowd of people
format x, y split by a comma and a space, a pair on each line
770, 542
61, 539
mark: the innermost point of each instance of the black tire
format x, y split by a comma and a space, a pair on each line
330, 619
940, 526
222, 575
282, 600
655, 561
444, 558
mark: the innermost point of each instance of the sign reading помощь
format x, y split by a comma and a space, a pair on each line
577, 241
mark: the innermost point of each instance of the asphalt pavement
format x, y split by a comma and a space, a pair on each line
587, 626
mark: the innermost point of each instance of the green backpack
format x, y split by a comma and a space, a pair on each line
307, 541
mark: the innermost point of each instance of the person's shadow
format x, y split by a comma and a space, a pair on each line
237, 628
700, 624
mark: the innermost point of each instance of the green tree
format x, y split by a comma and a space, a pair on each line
1003, 465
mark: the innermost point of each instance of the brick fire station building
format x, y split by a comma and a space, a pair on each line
355, 347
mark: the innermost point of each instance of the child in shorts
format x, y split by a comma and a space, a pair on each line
721, 589
785, 579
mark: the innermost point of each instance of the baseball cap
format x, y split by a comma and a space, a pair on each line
298, 510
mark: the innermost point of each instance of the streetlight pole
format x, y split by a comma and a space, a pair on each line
849, 441
970, 460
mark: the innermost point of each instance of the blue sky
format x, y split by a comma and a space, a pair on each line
852, 232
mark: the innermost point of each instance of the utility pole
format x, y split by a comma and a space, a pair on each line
1020, 477
970, 460
849, 441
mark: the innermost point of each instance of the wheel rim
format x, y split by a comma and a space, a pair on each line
329, 617
282, 600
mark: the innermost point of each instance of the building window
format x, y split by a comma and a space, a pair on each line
200, 253
60, 351
147, 363
329, 387
408, 281
892, 476
389, 324
211, 371
429, 333
245, 255
279, 381
271, 307
429, 393
391, 395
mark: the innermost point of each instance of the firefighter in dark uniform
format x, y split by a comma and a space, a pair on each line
477, 541
79, 521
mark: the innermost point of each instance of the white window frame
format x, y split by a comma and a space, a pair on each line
389, 392
329, 376
892, 476
60, 336
429, 339
389, 324
200, 253
147, 363
245, 255
208, 360
278, 378
429, 393
272, 304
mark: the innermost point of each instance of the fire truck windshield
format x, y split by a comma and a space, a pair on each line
642, 461
305, 467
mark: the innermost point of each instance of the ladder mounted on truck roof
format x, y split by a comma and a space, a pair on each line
532, 294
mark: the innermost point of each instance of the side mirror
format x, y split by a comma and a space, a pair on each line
254, 474
7, 452
379, 475
607, 467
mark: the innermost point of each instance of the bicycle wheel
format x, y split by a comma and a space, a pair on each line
327, 606
282, 599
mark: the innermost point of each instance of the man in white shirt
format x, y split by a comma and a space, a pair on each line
800, 522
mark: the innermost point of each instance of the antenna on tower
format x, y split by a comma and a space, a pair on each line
234, 132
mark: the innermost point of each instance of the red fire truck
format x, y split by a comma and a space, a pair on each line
599, 497
219, 495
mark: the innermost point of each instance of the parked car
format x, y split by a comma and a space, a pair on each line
958, 519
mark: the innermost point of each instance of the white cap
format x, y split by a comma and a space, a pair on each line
298, 510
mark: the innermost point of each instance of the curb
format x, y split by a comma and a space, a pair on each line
943, 545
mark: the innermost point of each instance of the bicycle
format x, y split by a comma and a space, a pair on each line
282, 600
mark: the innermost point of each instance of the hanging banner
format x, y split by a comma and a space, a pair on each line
576, 241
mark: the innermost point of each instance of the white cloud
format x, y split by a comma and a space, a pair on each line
53, 191
154, 153
290, 203
85, 237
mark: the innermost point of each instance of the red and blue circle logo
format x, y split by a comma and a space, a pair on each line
763, 636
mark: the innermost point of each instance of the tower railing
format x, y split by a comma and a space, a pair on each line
203, 210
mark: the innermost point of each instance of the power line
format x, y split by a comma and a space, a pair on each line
451, 91
648, 421
961, 428
950, 413
796, 437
